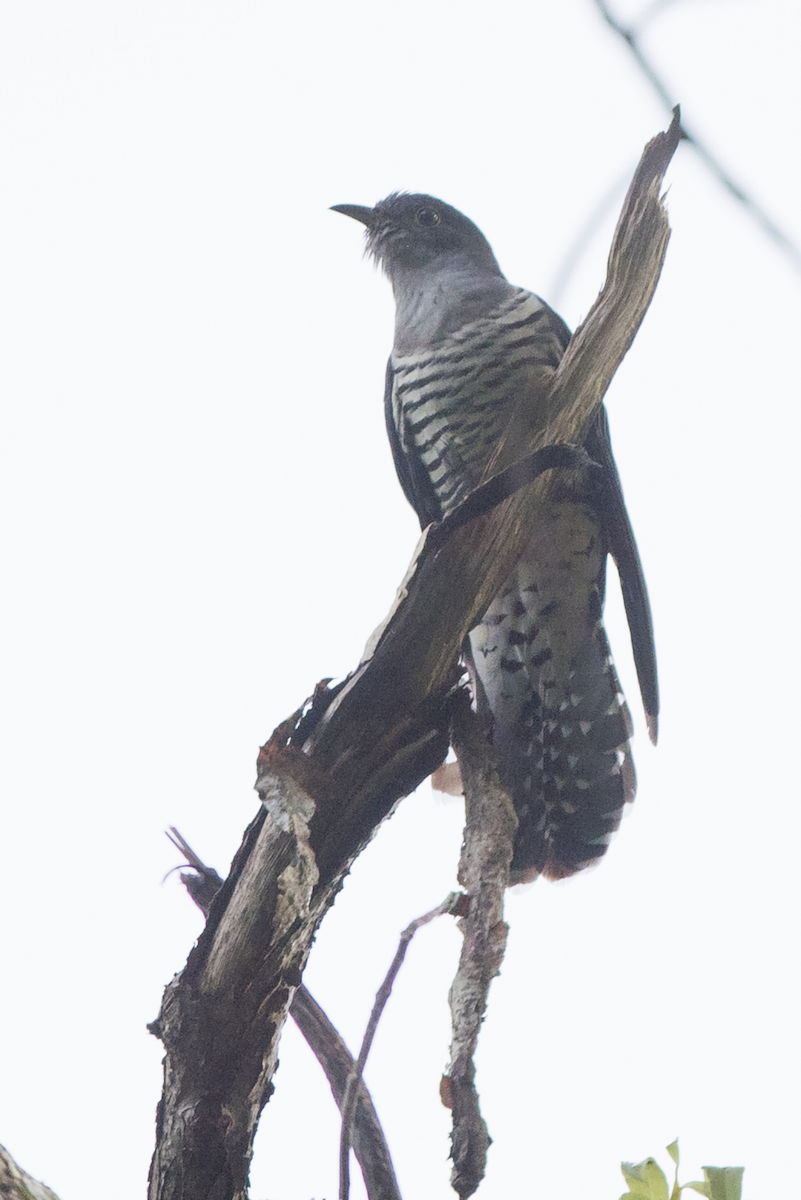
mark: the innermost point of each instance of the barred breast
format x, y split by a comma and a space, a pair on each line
451, 403
540, 661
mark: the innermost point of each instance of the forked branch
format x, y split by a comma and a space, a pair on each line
334, 770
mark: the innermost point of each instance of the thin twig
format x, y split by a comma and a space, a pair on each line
450, 905
628, 34
206, 883
649, 12
369, 1143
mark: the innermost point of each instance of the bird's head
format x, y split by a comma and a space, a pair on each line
415, 232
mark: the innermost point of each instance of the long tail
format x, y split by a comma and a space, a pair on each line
545, 679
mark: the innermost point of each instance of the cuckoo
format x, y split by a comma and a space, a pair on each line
471, 351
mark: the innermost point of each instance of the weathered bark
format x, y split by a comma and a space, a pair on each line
490, 827
338, 1064
221, 1019
329, 776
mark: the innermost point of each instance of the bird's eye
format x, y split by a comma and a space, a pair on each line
428, 216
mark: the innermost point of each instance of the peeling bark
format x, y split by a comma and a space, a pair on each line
338, 1064
490, 827
221, 1019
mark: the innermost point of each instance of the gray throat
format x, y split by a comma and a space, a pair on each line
433, 301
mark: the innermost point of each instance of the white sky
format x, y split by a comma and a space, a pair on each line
201, 519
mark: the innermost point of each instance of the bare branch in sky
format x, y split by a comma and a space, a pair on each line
451, 904
629, 34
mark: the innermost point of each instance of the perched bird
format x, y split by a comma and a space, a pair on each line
471, 354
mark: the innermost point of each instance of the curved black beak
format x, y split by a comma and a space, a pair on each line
357, 211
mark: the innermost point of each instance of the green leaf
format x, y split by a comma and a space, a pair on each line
703, 1188
724, 1183
673, 1151
646, 1181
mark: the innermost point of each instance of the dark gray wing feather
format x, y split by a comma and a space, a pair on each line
623, 549
417, 487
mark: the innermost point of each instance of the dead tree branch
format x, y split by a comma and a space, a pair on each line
490, 827
629, 35
339, 1066
332, 772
